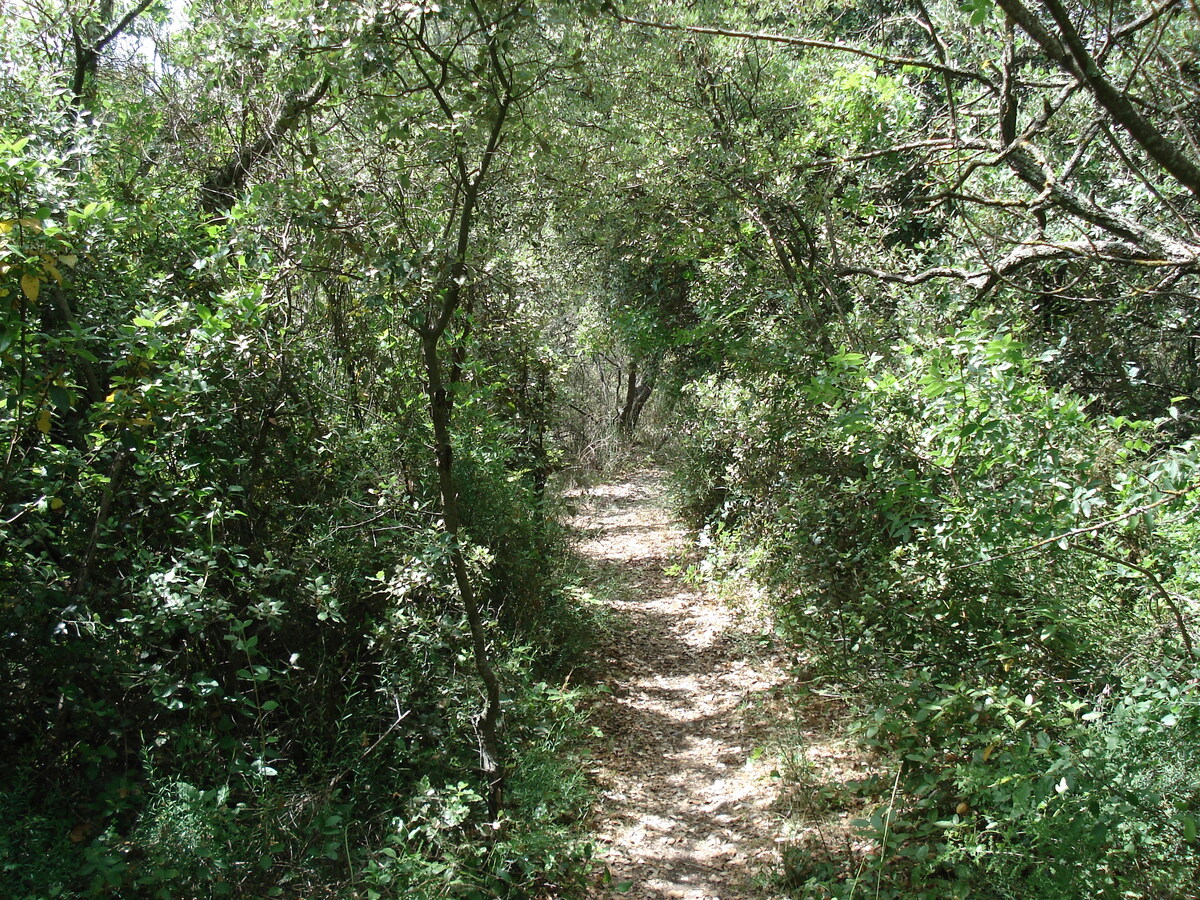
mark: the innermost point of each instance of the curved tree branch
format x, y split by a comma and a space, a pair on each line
1067, 49
220, 190
898, 61
1162, 592
1031, 252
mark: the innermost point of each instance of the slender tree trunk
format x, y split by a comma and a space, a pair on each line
538, 434
625, 420
487, 722
637, 393
639, 403
444, 302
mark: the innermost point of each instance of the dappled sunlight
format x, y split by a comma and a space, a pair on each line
687, 803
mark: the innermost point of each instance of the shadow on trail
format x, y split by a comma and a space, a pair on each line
685, 806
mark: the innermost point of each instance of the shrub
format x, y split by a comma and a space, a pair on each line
973, 554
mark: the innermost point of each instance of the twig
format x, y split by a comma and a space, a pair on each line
887, 825
84, 577
400, 717
1079, 532
120, 27
1159, 589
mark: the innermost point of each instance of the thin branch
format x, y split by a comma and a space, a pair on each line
219, 191
400, 717
1153, 15
1141, 176
918, 278
84, 577
899, 61
120, 27
1068, 50
1025, 166
1030, 252
926, 22
1068, 536
1167, 596
1077, 157
933, 144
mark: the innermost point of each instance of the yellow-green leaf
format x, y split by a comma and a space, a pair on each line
31, 285
43, 421
7, 225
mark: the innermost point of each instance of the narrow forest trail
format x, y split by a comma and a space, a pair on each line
685, 802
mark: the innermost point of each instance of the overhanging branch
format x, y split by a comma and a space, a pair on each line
897, 61
1067, 49
1031, 252
220, 190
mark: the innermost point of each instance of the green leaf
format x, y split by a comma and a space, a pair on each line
979, 11
1189, 826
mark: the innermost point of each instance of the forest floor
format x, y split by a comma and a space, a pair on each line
690, 798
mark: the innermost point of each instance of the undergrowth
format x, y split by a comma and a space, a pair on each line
998, 579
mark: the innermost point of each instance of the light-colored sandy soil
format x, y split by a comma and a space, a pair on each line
687, 804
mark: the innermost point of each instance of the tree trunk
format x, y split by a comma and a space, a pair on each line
487, 722
639, 403
626, 419
444, 302
637, 393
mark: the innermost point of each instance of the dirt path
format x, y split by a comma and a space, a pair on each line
685, 798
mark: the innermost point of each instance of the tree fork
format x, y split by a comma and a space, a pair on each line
445, 301
1069, 51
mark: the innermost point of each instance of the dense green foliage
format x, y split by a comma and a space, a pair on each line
234, 659
303, 309
937, 527
956, 454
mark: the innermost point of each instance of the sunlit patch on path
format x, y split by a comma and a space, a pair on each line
685, 807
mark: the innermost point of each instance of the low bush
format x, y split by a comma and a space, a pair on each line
999, 578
